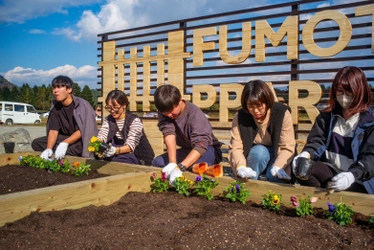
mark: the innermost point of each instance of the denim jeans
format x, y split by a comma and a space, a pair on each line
261, 159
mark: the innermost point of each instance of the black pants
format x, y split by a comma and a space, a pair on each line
322, 174
40, 144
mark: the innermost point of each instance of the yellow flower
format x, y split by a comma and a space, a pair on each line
275, 199
91, 149
94, 139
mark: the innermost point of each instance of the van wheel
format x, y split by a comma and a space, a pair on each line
9, 122
37, 122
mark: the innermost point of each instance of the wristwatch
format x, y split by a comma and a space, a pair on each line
182, 167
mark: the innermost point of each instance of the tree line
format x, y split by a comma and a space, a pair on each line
41, 96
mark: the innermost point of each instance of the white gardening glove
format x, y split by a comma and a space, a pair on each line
341, 181
175, 173
245, 172
168, 168
109, 152
61, 150
294, 161
280, 173
46, 154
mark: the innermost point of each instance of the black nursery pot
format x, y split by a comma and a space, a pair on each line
304, 168
9, 147
103, 147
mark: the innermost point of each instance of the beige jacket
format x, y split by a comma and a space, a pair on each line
286, 143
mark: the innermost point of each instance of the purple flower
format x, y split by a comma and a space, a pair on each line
20, 158
293, 199
61, 162
331, 207
154, 175
198, 178
237, 186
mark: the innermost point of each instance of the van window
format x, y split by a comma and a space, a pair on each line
30, 109
1, 106
8, 107
19, 108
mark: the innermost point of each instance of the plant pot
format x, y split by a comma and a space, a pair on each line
103, 147
304, 168
9, 147
215, 170
200, 168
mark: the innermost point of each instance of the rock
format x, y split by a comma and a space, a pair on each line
21, 137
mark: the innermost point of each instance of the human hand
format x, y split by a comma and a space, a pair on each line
61, 150
280, 173
109, 152
245, 172
46, 154
341, 181
168, 168
294, 161
175, 173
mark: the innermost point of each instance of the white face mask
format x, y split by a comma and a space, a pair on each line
344, 101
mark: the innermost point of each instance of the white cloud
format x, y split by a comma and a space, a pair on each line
125, 14
85, 75
37, 31
20, 11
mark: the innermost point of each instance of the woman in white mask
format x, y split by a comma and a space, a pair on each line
341, 142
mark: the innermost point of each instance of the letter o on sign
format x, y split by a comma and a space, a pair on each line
345, 28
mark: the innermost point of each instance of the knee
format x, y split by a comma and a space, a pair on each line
259, 152
158, 162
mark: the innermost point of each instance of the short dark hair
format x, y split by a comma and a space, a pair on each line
62, 81
167, 97
353, 79
257, 92
118, 96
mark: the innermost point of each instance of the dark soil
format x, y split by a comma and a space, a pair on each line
14, 178
172, 221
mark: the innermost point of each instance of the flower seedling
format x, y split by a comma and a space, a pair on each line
340, 213
55, 165
237, 192
80, 168
204, 186
96, 146
303, 206
272, 201
183, 185
160, 184
371, 220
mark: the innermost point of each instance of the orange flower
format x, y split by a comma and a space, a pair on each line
76, 164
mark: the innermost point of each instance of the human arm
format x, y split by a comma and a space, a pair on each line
317, 138
236, 151
286, 145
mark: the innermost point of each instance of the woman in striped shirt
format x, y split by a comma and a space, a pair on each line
124, 130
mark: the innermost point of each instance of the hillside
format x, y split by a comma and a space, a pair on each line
5, 83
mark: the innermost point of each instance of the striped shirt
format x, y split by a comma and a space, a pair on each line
133, 137
339, 152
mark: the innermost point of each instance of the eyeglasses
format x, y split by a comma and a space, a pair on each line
342, 91
110, 108
258, 107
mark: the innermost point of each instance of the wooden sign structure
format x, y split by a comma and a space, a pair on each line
187, 50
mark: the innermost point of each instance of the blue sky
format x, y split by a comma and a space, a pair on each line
41, 39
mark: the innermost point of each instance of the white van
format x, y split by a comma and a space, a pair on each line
18, 113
